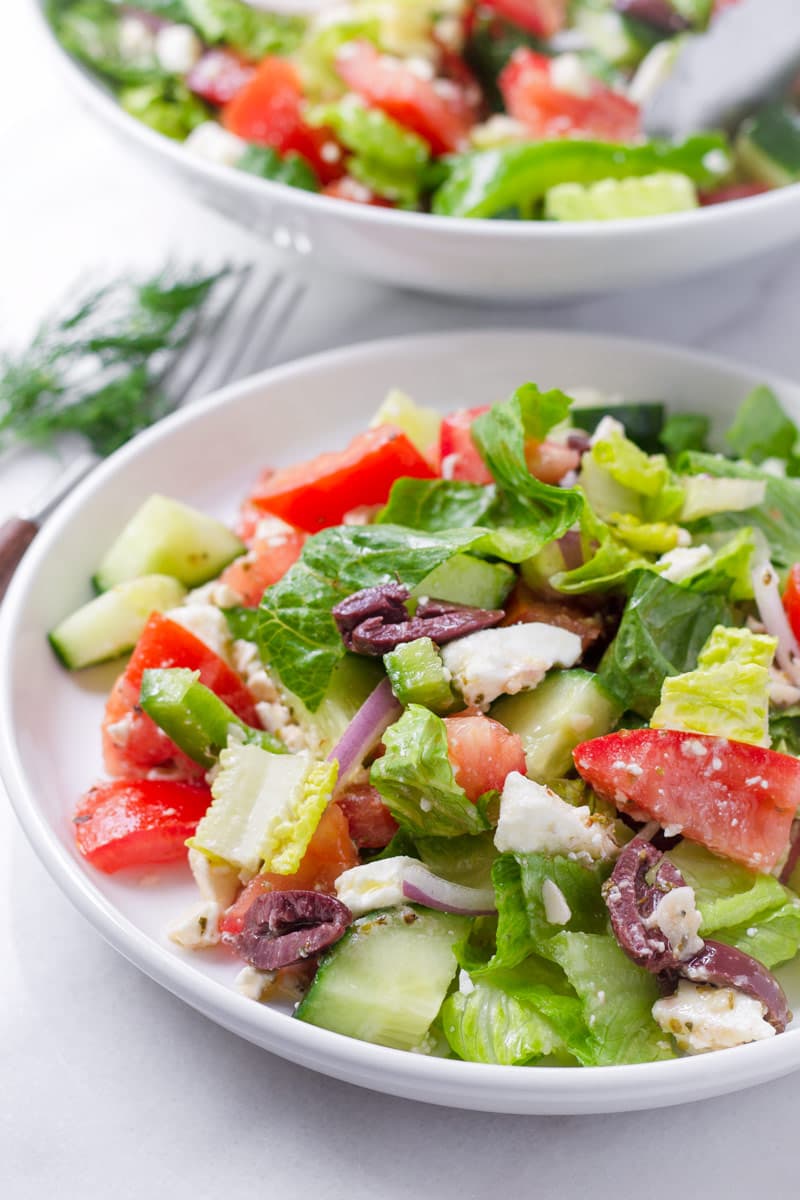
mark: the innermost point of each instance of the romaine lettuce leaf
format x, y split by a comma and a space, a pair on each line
297, 634
89, 29
621, 478
467, 860
761, 429
166, 106
489, 1025
435, 505
685, 431
663, 629
772, 939
374, 139
415, 778
728, 572
608, 561
252, 32
727, 695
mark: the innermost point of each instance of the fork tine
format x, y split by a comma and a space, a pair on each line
266, 336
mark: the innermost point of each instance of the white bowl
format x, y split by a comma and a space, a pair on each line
208, 455
503, 259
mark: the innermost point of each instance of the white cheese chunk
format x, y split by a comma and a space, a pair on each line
702, 1018
373, 885
683, 561
199, 928
556, 908
254, 984
213, 143
216, 882
505, 661
533, 819
178, 48
676, 916
606, 427
568, 74
135, 40
206, 622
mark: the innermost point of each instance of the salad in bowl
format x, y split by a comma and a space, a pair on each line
479, 735
525, 110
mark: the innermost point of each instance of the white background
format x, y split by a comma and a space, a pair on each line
111, 1088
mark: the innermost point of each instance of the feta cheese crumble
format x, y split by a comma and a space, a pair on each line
676, 916
254, 984
213, 143
216, 882
534, 819
683, 561
199, 928
701, 1017
556, 908
505, 661
178, 48
206, 622
373, 885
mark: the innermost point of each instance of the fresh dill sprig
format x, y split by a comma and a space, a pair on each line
94, 368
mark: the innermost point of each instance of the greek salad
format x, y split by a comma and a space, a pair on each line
517, 109
481, 735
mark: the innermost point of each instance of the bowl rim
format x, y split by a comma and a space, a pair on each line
489, 1087
99, 98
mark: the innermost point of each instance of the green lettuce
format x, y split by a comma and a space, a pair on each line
435, 505
608, 561
251, 31
89, 29
729, 571
166, 106
293, 169
297, 635
727, 695
467, 859
685, 431
663, 629
415, 778
316, 55
490, 1025
762, 429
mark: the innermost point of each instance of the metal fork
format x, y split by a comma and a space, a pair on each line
243, 338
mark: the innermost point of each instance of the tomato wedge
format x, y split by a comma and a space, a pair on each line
139, 822
733, 191
316, 494
458, 453
542, 17
791, 599
265, 563
371, 824
132, 742
267, 110
330, 852
736, 799
550, 461
533, 98
482, 753
437, 109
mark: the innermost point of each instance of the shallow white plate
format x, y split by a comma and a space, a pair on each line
208, 456
503, 259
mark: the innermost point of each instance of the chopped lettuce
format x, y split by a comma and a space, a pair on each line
705, 496
663, 629
166, 106
316, 56
436, 505
762, 429
293, 169
646, 537
486, 1024
467, 859
415, 778
90, 29
729, 571
727, 695
646, 475
608, 561
685, 431
251, 31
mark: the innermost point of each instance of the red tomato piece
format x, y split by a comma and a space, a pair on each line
791, 599
458, 453
268, 111
482, 753
532, 98
138, 823
356, 192
219, 76
330, 852
550, 461
733, 191
437, 109
736, 799
371, 824
542, 17
316, 494
266, 562
136, 744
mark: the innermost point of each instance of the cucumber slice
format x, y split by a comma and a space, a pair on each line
620, 40
768, 146
417, 675
643, 422
170, 538
464, 579
610, 199
111, 624
420, 425
568, 708
196, 720
385, 981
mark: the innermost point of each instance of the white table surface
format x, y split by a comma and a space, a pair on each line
110, 1087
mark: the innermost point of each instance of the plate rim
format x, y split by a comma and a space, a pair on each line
99, 98
487, 1087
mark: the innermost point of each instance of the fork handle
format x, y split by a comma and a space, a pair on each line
16, 534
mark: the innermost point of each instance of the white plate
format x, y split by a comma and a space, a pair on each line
208, 456
504, 259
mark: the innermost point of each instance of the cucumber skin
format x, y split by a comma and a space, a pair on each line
643, 422
417, 676
447, 928
768, 146
63, 647
465, 579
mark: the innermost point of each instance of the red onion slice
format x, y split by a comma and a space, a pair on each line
377, 713
421, 886
793, 855
773, 616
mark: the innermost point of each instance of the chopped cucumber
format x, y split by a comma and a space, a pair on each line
170, 538
568, 708
385, 981
643, 422
611, 199
420, 425
265, 808
620, 40
196, 720
111, 624
464, 579
768, 146
418, 676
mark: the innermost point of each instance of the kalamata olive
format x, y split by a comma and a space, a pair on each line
661, 14
726, 966
282, 928
642, 876
388, 601
376, 620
